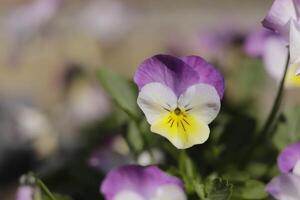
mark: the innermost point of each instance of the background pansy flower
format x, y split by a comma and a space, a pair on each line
25, 192
289, 159
280, 15
285, 187
272, 49
133, 182
180, 97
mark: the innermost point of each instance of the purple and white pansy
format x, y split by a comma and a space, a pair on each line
287, 185
179, 97
289, 159
272, 49
134, 182
281, 13
284, 18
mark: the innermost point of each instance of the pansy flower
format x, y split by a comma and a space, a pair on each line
281, 13
289, 159
283, 18
272, 49
179, 97
287, 185
133, 182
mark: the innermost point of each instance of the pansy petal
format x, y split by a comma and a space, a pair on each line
169, 192
25, 193
289, 157
167, 70
278, 17
275, 56
128, 195
202, 101
132, 177
285, 187
207, 73
182, 132
155, 99
296, 169
294, 43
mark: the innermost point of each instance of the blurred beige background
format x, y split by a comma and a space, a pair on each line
148, 24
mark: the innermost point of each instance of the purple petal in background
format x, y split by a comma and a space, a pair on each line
168, 70
141, 180
254, 44
289, 157
207, 73
285, 187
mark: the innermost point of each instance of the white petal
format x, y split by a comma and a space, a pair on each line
202, 100
169, 192
288, 187
294, 42
154, 99
275, 56
296, 169
128, 195
298, 71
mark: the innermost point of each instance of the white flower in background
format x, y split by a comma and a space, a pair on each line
155, 157
106, 20
26, 21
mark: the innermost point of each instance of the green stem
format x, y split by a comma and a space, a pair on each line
276, 105
271, 119
45, 189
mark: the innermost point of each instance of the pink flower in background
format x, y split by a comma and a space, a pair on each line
216, 41
133, 182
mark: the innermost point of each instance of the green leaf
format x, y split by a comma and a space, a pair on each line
253, 190
288, 128
122, 91
134, 137
218, 189
57, 197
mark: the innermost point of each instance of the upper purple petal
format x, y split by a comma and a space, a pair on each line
289, 157
279, 15
254, 44
207, 73
286, 186
178, 74
168, 70
142, 180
